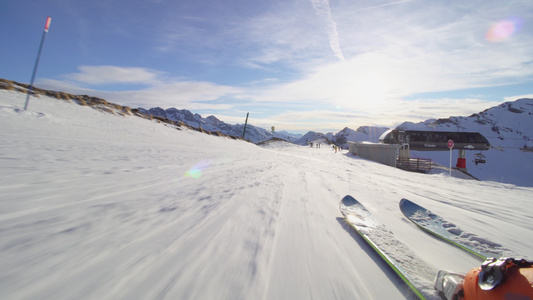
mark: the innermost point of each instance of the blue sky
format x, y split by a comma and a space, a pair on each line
297, 65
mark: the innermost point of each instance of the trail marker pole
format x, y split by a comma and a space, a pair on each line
46, 26
450, 145
245, 123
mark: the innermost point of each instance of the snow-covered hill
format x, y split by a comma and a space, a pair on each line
103, 204
509, 129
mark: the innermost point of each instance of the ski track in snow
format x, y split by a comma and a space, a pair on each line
104, 206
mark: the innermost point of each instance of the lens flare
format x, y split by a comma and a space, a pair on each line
196, 171
502, 30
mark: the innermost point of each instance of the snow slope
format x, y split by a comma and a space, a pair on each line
103, 206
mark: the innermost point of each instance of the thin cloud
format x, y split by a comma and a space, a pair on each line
281, 37
97, 75
383, 5
163, 93
180, 94
513, 98
323, 9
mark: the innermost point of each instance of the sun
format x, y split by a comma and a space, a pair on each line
370, 90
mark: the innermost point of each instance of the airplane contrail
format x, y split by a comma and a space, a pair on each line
382, 5
322, 9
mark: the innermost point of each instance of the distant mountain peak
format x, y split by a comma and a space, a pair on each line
212, 123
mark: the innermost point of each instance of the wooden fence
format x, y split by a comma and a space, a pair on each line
415, 164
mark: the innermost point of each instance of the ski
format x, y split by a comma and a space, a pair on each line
479, 283
439, 227
416, 274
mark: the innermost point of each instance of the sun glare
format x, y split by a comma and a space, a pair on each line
502, 30
370, 92
196, 171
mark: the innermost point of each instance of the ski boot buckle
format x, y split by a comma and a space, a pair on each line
492, 271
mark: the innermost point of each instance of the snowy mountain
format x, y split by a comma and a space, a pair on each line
312, 137
257, 134
363, 133
98, 202
507, 126
341, 138
509, 129
211, 123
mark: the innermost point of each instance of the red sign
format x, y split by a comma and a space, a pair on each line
450, 144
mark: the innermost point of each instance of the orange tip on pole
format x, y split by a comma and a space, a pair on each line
47, 25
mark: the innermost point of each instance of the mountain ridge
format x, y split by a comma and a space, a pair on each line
474, 122
211, 123
501, 119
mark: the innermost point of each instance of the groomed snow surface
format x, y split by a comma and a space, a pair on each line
103, 206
